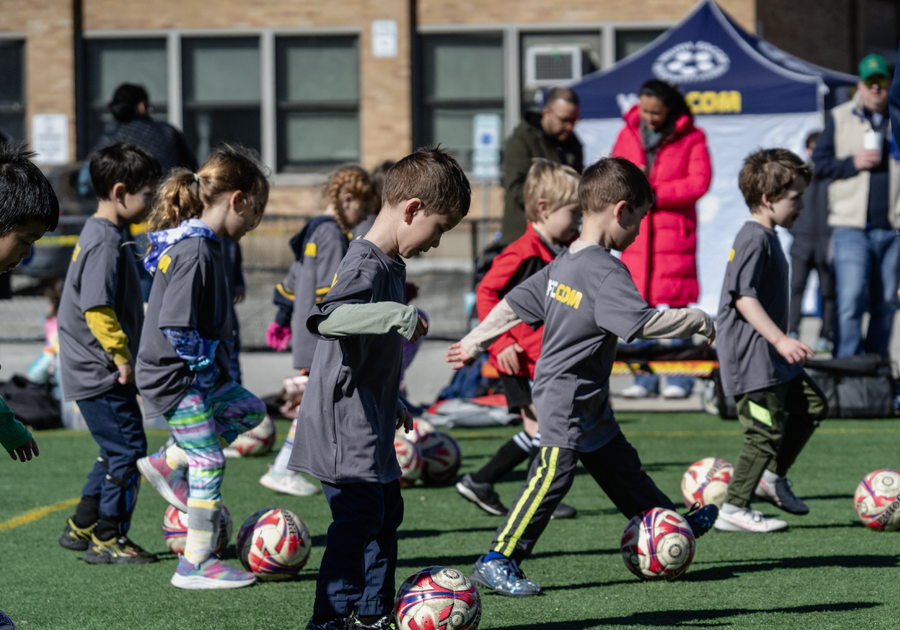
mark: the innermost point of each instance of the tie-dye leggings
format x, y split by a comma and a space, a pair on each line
198, 421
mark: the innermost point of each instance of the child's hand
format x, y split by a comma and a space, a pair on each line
126, 373
793, 350
458, 356
508, 359
421, 329
278, 337
711, 338
405, 420
24, 452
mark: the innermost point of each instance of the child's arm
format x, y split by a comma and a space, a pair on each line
793, 350
500, 319
105, 327
377, 318
678, 323
14, 437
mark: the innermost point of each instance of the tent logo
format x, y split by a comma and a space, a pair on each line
691, 62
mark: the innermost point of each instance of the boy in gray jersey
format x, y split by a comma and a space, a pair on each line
761, 366
350, 409
586, 301
100, 319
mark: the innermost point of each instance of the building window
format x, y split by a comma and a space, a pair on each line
12, 89
221, 82
629, 42
462, 77
550, 59
112, 62
317, 91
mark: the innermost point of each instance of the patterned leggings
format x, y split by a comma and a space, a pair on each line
198, 421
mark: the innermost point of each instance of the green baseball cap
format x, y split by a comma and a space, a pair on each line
873, 64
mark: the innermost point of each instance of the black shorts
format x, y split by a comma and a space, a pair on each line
517, 390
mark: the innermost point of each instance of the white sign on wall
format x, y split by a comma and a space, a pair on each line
50, 138
486, 146
384, 38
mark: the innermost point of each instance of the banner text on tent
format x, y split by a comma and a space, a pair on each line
727, 102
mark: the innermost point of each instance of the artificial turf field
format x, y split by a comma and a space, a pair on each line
827, 571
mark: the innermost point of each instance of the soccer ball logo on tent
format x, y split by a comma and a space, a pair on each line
691, 62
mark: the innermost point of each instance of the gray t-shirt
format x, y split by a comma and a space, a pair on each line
190, 290
309, 279
586, 301
757, 268
103, 272
347, 419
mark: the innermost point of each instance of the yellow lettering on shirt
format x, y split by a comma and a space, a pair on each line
75, 252
310, 250
731, 256
562, 293
164, 263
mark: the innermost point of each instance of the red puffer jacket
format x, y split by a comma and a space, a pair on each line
662, 258
520, 259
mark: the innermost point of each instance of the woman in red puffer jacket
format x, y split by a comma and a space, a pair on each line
660, 137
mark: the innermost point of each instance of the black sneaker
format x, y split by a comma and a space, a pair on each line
563, 511
117, 550
482, 495
386, 622
76, 538
344, 623
701, 519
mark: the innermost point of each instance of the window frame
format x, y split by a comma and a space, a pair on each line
21, 107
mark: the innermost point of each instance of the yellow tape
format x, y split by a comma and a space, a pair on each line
65, 240
38, 513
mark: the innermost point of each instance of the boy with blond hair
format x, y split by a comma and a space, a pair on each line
586, 301
554, 217
761, 366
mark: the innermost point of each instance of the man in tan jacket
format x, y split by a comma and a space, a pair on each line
856, 150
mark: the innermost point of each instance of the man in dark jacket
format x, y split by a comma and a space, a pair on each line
549, 135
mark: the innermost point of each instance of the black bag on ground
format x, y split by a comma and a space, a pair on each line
856, 387
33, 404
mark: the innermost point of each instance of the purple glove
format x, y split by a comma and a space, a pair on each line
278, 337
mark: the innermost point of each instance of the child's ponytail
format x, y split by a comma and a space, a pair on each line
176, 200
353, 180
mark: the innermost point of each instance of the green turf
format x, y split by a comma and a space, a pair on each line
828, 571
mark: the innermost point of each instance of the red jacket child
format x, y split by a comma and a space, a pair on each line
519, 260
662, 258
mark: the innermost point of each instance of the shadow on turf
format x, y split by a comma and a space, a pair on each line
670, 618
813, 562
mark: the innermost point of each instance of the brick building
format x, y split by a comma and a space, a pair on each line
311, 85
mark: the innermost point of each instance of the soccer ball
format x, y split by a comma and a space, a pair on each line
175, 529
877, 500
658, 545
274, 544
258, 441
6, 623
706, 482
421, 428
441, 455
438, 597
410, 459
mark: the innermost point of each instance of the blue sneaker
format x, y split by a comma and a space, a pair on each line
211, 573
701, 519
504, 576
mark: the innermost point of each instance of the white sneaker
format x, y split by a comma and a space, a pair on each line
288, 482
746, 521
231, 453
777, 491
675, 391
635, 391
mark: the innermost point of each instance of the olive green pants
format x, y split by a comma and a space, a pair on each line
778, 422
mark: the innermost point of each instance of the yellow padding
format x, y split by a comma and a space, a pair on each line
759, 413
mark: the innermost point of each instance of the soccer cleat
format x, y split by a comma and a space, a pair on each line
386, 622
288, 482
504, 576
777, 491
675, 392
76, 538
482, 495
701, 518
563, 511
636, 391
747, 521
117, 550
344, 623
209, 574
171, 483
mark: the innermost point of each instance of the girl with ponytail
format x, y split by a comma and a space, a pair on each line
350, 196
182, 364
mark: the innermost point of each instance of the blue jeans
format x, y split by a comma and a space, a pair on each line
865, 259
650, 382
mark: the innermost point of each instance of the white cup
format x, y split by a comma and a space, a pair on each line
873, 140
